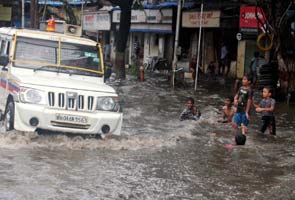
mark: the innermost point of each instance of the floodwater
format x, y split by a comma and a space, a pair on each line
157, 156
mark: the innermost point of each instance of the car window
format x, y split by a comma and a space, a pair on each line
2, 47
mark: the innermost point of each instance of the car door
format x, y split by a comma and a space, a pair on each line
4, 51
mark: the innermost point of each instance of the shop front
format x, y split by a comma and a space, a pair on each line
189, 37
151, 34
249, 30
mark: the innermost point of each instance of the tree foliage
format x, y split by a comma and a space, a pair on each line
280, 21
280, 18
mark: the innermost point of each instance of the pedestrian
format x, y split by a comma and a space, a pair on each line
190, 112
228, 111
267, 107
256, 62
223, 62
107, 52
192, 67
136, 47
211, 71
243, 101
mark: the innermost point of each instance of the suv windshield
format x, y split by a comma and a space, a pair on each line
38, 54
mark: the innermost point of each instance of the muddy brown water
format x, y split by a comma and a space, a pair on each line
157, 156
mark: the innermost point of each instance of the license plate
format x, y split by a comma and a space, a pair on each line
71, 118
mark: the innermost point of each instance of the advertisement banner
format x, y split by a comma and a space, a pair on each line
248, 17
209, 19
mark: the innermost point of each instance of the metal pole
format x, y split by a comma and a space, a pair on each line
199, 44
82, 14
179, 5
44, 11
23, 13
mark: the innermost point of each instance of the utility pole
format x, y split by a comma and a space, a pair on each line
174, 65
23, 13
82, 14
34, 14
199, 44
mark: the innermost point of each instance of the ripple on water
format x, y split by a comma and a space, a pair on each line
18, 140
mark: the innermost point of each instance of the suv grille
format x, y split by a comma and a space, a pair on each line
70, 101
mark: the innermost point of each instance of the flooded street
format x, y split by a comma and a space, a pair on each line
157, 156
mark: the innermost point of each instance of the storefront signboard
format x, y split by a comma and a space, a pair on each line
163, 16
96, 21
5, 13
137, 16
248, 17
209, 19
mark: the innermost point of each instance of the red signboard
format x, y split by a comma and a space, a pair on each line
248, 17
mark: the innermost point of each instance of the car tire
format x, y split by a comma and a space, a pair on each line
9, 117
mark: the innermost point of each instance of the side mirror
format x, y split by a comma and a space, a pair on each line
4, 60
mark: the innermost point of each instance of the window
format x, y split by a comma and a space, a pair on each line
72, 58
8, 48
80, 56
36, 51
2, 47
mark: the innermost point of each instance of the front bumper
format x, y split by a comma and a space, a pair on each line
47, 120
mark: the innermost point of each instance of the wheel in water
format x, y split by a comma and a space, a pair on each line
9, 117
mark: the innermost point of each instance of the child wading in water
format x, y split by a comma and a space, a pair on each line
228, 111
190, 112
266, 107
243, 101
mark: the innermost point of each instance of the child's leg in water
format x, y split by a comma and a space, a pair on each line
272, 127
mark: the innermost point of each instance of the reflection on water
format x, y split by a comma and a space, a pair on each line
157, 157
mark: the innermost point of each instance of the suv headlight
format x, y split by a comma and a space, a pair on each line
30, 95
107, 104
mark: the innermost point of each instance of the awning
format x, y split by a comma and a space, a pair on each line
163, 5
168, 5
146, 6
151, 28
58, 3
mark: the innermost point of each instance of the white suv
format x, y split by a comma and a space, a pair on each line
51, 81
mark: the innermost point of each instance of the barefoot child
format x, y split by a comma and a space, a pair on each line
266, 107
240, 138
228, 111
190, 112
243, 101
